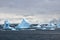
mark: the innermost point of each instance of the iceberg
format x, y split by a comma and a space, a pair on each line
6, 24
7, 27
52, 26
24, 24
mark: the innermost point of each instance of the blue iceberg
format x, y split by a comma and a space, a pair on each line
7, 27
24, 24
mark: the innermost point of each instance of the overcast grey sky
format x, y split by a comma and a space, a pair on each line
30, 7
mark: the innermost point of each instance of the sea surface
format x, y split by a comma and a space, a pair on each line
30, 35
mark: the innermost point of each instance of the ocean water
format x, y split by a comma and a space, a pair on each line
29, 35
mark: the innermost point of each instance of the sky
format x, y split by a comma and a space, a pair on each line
30, 7
41, 8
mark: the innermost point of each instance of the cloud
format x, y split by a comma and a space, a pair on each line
30, 6
44, 9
